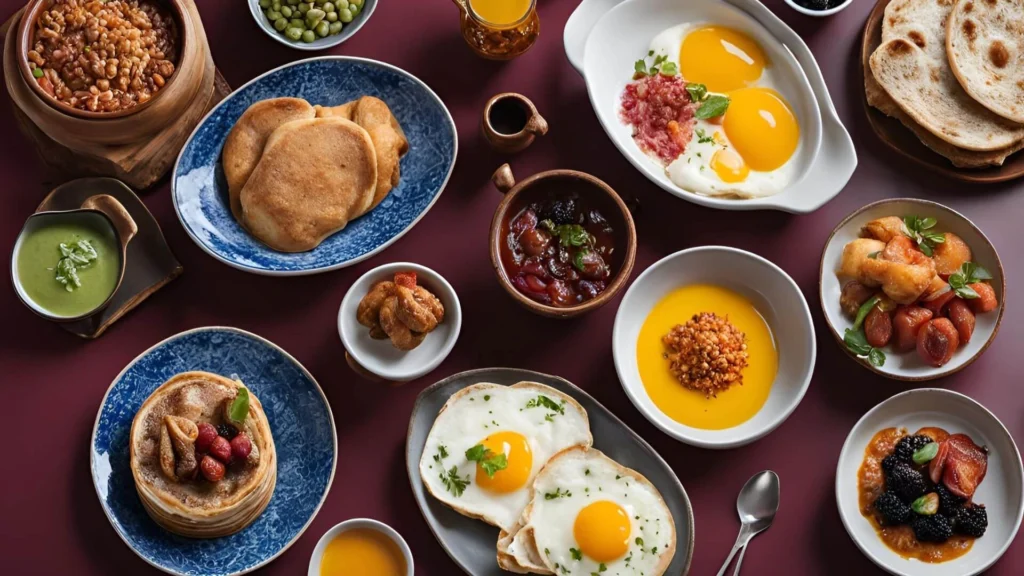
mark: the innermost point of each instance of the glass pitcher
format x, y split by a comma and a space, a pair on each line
499, 29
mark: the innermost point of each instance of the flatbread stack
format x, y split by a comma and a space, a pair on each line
952, 72
297, 173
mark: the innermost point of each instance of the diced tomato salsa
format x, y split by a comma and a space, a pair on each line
661, 113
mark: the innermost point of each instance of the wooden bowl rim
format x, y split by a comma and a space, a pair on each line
617, 283
26, 33
1012, 168
835, 332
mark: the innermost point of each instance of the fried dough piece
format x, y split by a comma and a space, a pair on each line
418, 309
401, 336
904, 283
885, 229
368, 312
314, 177
855, 253
248, 138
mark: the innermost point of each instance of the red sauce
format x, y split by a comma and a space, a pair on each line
661, 113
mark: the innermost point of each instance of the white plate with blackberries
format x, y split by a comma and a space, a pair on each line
930, 483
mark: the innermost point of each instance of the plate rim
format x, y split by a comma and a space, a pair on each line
350, 261
420, 399
835, 331
147, 351
941, 392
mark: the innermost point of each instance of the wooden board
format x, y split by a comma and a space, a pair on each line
149, 264
891, 132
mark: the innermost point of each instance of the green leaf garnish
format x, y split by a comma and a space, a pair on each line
926, 505
712, 106
669, 69
926, 453
453, 483
489, 461
969, 273
857, 342
697, 91
74, 257
576, 554
239, 406
640, 67
702, 137
558, 493
577, 260
919, 230
864, 310
543, 401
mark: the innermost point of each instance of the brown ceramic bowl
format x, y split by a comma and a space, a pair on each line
908, 366
518, 194
26, 39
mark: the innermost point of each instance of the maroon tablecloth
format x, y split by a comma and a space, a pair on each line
51, 382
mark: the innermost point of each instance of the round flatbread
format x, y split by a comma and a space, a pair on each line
984, 40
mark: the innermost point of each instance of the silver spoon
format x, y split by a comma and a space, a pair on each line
757, 504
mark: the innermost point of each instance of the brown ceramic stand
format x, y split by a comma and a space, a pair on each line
148, 261
366, 374
138, 148
511, 122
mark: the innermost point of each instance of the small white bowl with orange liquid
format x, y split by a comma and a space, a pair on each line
361, 546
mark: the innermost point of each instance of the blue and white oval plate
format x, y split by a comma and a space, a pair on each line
200, 192
304, 436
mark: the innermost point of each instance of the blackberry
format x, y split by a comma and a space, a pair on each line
949, 503
560, 211
227, 430
907, 482
905, 448
889, 462
971, 521
935, 528
892, 510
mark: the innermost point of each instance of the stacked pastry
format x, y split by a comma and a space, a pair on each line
193, 481
297, 173
952, 72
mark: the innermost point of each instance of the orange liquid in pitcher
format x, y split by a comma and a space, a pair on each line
500, 12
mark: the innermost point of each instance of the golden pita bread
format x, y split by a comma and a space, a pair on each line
245, 142
878, 98
389, 140
984, 40
912, 67
314, 177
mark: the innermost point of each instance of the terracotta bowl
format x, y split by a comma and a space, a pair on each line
26, 39
584, 184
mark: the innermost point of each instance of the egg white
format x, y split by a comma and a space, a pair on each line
691, 171
483, 409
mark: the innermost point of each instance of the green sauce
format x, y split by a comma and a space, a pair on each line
51, 283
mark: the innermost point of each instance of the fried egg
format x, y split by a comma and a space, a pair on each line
591, 515
746, 152
489, 442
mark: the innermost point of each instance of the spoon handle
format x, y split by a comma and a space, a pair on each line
739, 561
740, 545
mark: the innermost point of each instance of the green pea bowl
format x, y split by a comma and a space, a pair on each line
312, 24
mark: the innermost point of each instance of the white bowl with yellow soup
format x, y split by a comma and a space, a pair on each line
361, 547
714, 345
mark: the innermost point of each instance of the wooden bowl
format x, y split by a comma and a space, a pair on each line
584, 184
26, 39
898, 137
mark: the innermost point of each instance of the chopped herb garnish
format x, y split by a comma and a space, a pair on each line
453, 483
487, 397
558, 493
74, 257
543, 401
576, 554
702, 137
969, 273
697, 91
488, 460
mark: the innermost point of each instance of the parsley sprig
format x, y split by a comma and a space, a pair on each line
488, 460
920, 231
968, 274
453, 483
558, 493
542, 401
660, 65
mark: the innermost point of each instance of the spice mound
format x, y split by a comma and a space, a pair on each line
707, 354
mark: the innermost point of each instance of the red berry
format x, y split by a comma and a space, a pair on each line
206, 435
221, 449
241, 446
212, 469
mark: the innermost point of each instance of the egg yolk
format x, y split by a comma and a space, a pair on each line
516, 449
729, 166
721, 58
762, 128
602, 531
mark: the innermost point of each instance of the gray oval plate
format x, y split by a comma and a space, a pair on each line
471, 543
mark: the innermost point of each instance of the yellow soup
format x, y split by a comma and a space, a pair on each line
362, 552
731, 407
500, 11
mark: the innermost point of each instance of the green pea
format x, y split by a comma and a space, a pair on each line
286, 11
275, 5
293, 33
322, 29
355, 10
357, 3
37, 72
297, 23
293, 2
332, 16
329, 7
264, 4
335, 27
345, 15
273, 16
303, 7
280, 24
308, 36
315, 15
341, 4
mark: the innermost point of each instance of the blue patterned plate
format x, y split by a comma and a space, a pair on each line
304, 436
200, 192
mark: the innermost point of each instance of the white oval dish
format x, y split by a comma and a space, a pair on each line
818, 13
1002, 490
604, 37
379, 356
908, 366
321, 545
324, 43
776, 297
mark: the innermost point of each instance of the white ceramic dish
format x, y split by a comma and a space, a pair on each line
909, 366
1002, 491
355, 523
604, 37
818, 13
347, 31
379, 356
776, 297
